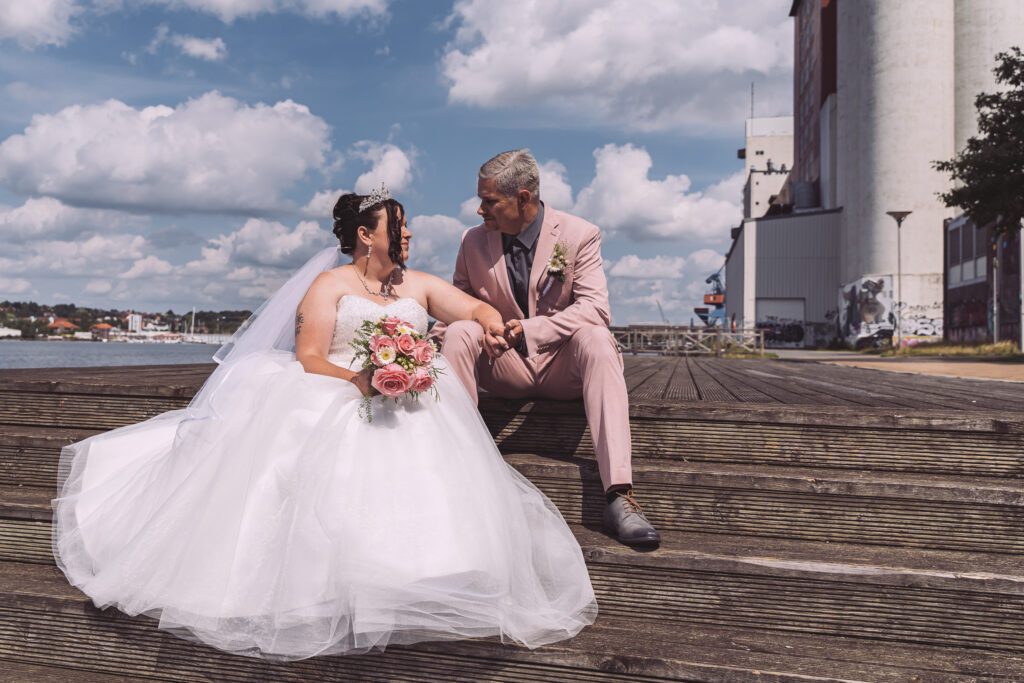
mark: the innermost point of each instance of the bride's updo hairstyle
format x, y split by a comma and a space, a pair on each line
348, 219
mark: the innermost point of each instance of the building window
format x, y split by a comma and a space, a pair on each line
966, 254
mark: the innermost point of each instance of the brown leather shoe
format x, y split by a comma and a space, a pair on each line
624, 519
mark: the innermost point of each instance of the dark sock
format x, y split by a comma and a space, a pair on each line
615, 491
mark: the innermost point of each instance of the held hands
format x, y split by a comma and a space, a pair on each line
495, 343
513, 333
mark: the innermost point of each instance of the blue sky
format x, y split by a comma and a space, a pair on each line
161, 154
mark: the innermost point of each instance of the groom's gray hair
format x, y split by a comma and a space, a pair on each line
512, 171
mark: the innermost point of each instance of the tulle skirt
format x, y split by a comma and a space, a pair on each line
280, 524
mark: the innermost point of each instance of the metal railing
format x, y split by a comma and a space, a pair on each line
681, 340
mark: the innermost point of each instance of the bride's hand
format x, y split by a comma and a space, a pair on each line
362, 381
494, 340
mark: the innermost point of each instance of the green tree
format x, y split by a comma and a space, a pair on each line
988, 174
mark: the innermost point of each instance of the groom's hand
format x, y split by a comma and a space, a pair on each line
494, 340
514, 334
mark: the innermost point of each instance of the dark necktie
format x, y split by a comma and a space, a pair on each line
520, 274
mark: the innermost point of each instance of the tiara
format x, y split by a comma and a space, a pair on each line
374, 198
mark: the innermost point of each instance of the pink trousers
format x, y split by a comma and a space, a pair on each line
587, 365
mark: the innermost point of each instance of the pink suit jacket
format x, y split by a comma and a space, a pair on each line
557, 308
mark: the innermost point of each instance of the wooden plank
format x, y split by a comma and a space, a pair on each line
879, 383
741, 389
653, 385
961, 392
710, 389
680, 386
790, 378
914, 392
767, 384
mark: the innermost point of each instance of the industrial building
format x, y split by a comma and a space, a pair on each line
881, 91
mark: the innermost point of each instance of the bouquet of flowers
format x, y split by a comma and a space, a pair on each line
402, 360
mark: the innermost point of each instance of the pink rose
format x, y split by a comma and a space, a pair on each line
421, 380
385, 352
390, 324
391, 380
423, 353
405, 343
374, 339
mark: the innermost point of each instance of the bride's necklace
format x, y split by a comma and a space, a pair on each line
387, 290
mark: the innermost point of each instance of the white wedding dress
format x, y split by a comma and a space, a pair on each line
280, 524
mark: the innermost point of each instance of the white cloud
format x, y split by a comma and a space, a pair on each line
34, 23
656, 268
48, 218
554, 188
390, 165
705, 261
260, 243
321, 205
230, 10
148, 267
98, 287
435, 243
208, 49
638, 286
645, 64
467, 211
13, 285
99, 255
623, 199
212, 153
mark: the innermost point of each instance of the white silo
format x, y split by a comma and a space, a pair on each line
983, 29
895, 91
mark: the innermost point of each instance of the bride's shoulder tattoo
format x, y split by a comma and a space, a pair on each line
299, 319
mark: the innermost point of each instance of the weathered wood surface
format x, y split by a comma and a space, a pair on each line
661, 378
52, 623
821, 524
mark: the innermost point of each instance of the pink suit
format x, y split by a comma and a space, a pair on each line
570, 352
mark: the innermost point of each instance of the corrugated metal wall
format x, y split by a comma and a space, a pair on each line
798, 257
734, 284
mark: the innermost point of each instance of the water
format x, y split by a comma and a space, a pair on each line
68, 354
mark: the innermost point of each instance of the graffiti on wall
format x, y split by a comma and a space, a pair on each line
791, 333
866, 311
921, 323
782, 332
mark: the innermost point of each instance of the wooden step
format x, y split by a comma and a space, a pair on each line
975, 444
16, 672
973, 600
45, 621
988, 443
81, 411
920, 511
29, 455
898, 509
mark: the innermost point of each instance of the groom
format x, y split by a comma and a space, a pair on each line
542, 270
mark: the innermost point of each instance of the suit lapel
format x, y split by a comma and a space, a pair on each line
497, 261
545, 247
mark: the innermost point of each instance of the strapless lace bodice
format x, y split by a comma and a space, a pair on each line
353, 310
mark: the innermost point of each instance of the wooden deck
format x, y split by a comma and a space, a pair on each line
659, 379
820, 523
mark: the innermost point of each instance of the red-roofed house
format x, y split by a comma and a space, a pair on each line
101, 331
62, 326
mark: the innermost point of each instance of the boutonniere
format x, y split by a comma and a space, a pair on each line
558, 263
556, 266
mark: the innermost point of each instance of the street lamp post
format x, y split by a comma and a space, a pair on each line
899, 217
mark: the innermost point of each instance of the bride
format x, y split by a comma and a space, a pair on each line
269, 519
